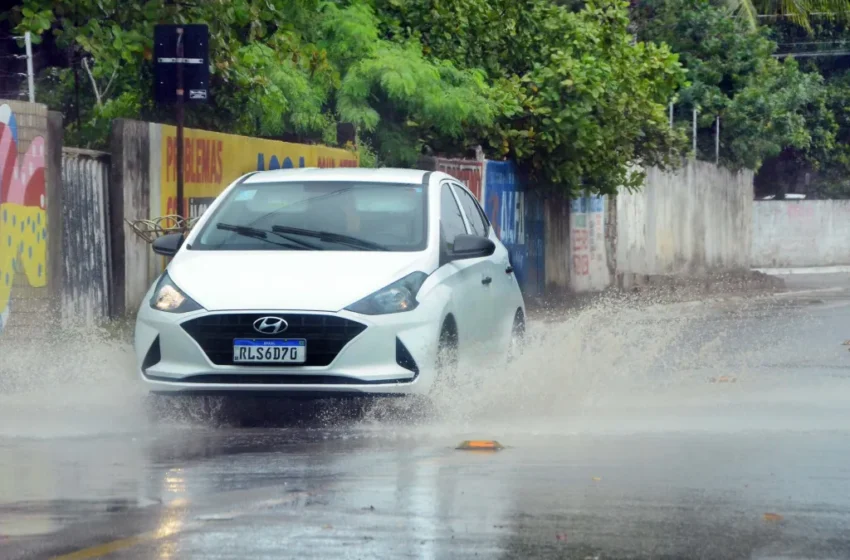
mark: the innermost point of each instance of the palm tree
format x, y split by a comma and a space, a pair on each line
798, 11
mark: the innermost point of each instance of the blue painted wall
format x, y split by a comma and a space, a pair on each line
517, 217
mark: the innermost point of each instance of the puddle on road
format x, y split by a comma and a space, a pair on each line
72, 420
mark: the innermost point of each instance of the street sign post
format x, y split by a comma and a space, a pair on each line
181, 74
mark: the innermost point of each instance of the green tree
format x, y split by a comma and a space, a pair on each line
279, 67
798, 11
767, 107
578, 101
564, 90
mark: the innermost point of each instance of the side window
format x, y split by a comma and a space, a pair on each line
473, 214
450, 216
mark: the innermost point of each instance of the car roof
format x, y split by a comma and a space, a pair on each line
382, 175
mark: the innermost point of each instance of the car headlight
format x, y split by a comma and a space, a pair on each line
397, 297
168, 297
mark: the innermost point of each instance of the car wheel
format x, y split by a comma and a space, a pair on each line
447, 356
517, 342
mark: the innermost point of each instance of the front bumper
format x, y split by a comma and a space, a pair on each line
392, 355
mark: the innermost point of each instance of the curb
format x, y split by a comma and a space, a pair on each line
810, 292
803, 270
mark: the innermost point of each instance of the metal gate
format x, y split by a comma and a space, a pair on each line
85, 234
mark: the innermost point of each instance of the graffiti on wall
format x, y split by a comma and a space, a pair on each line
469, 172
517, 218
589, 268
211, 161
23, 220
506, 210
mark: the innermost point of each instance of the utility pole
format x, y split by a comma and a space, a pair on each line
717, 142
30, 78
695, 133
180, 208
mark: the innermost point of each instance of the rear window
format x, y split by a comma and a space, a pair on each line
394, 216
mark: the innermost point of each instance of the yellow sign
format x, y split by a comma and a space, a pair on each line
212, 160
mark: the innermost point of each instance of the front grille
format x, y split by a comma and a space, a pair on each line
326, 335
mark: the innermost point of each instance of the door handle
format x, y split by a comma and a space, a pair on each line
509, 269
486, 280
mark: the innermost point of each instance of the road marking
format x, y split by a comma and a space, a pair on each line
114, 546
172, 528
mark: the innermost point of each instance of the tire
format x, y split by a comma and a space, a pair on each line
447, 358
517, 343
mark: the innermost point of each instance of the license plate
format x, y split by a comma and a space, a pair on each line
275, 351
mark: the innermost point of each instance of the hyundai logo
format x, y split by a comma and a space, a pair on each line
270, 325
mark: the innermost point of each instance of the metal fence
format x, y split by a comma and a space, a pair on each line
86, 250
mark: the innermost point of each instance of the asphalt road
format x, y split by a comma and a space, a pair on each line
697, 431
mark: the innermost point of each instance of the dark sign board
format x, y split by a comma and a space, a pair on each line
195, 61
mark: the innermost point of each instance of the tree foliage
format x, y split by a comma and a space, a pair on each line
800, 12
766, 106
324, 63
565, 90
579, 101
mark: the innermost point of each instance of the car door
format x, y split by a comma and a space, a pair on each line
495, 276
470, 301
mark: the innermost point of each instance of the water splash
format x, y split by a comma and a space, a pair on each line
76, 380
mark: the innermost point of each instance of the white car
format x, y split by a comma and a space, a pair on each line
325, 282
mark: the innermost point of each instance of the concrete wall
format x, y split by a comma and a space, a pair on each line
692, 221
143, 186
800, 233
25, 292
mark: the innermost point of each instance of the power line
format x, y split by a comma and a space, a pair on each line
815, 43
811, 54
769, 16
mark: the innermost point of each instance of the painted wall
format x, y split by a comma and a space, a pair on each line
800, 233
213, 160
470, 172
689, 222
685, 222
23, 214
143, 185
517, 218
588, 252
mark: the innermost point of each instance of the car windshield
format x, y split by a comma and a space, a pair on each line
319, 216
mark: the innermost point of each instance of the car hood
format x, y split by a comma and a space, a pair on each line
284, 280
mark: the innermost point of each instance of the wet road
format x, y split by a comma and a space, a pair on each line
698, 431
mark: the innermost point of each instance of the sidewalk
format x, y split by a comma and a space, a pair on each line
803, 280
735, 287
661, 291
809, 270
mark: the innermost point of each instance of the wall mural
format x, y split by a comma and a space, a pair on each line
23, 220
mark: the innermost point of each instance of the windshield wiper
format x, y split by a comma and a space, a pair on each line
257, 233
332, 237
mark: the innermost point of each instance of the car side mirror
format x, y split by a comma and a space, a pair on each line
168, 245
471, 247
